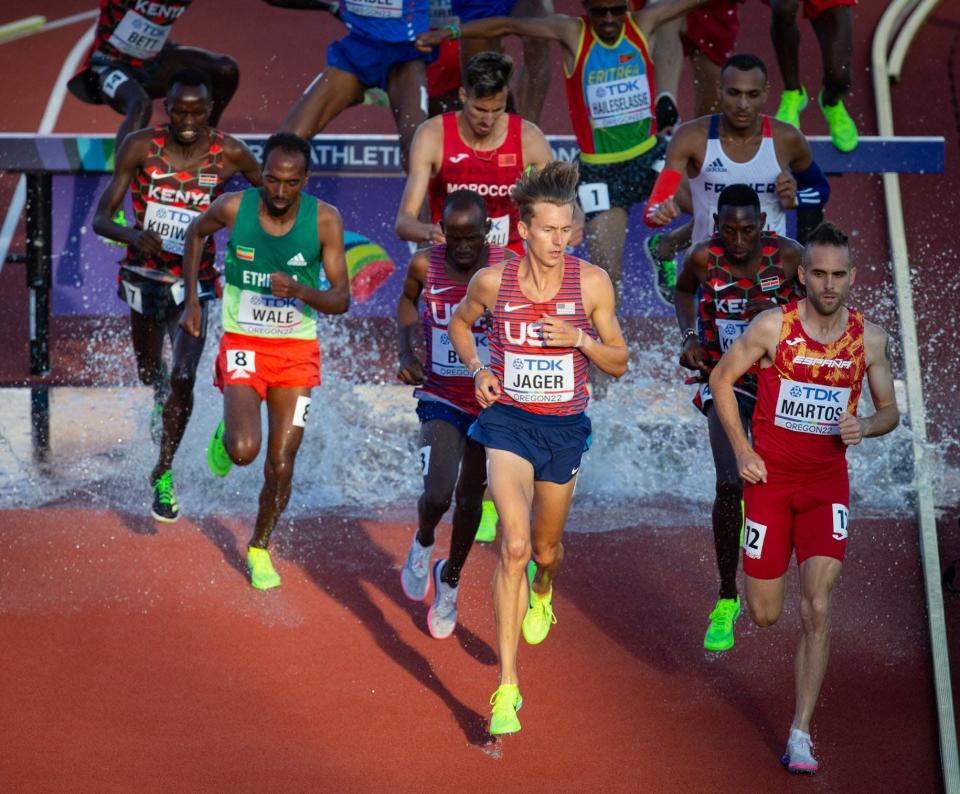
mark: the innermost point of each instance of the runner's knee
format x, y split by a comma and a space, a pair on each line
764, 613
815, 613
279, 469
436, 499
242, 450
515, 553
547, 554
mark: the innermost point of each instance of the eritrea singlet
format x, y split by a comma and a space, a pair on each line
723, 307
489, 173
166, 201
718, 171
392, 21
447, 379
610, 95
252, 255
534, 377
135, 31
801, 397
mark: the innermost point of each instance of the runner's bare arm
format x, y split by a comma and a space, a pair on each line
408, 319
536, 150
336, 298
242, 160
794, 145
556, 27
650, 17
222, 213
886, 415
685, 302
481, 297
758, 342
425, 153
682, 156
132, 152
610, 353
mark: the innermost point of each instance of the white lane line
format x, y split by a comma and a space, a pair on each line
47, 123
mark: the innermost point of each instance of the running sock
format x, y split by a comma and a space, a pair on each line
727, 519
450, 575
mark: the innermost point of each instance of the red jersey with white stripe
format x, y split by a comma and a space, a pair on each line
166, 201
801, 397
447, 378
489, 173
539, 379
136, 31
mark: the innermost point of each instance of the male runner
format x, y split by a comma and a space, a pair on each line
812, 359
377, 52
173, 171
447, 405
552, 315
285, 265
610, 93
742, 271
832, 21
736, 146
481, 147
131, 62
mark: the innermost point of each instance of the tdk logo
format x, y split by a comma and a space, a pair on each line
816, 393
716, 167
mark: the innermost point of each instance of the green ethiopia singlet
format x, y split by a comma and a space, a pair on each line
252, 255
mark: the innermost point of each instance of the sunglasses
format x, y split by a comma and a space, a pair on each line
601, 11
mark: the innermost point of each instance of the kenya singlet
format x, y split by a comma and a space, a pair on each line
534, 377
136, 31
801, 397
252, 255
489, 173
166, 201
447, 378
718, 171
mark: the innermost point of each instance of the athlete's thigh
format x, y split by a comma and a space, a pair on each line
241, 416
120, 88
551, 505
287, 412
767, 530
441, 448
818, 575
510, 478
187, 348
765, 597
473, 471
147, 336
328, 96
178, 57
822, 516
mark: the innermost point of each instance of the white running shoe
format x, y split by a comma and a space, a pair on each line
798, 757
442, 615
415, 575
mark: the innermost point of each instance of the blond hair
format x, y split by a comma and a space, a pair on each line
555, 183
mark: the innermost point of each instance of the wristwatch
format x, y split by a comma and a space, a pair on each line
687, 334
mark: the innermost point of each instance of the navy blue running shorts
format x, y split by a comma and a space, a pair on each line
429, 410
554, 445
371, 61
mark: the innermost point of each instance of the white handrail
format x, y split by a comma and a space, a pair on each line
905, 38
917, 414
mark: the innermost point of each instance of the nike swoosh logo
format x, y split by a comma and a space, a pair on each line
795, 341
458, 157
438, 290
722, 287
156, 175
507, 307
574, 471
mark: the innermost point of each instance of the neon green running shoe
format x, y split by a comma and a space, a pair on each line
217, 458
121, 220
791, 103
719, 636
262, 574
843, 129
487, 531
506, 702
539, 618
664, 269
531, 572
165, 507
376, 97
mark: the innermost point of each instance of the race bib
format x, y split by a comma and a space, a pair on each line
301, 411
594, 197
382, 9
176, 291
138, 37
753, 536
530, 378
810, 408
619, 102
841, 518
170, 223
444, 360
133, 296
268, 314
240, 363
728, 331
499, 233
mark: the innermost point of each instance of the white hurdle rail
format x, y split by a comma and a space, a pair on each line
912, 14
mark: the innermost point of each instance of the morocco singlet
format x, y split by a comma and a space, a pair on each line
447, 379
249, 308
489, 173
539, 379
801, 397
610, 95
718, 171
723, 307
135, 31
166, 201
